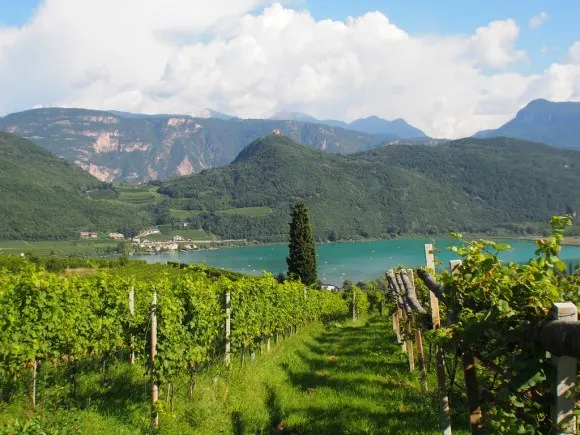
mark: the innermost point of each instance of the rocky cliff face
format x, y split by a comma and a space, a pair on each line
113, 147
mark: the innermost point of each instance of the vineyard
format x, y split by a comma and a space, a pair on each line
190, 349
49, 319
514, 328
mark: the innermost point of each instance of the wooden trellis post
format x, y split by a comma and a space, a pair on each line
396, 326
33, 369
397, 317
441, 381
132, 311
563, 416
470, 376
410, 345
419, 343
353, 304
154, 384
401, 319
228, 329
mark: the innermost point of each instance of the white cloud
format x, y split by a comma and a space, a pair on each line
181, 57
537, 20
574, 53
494, 44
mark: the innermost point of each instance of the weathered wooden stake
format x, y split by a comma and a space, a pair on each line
400, 319
132, 311
228, 329
396, 326
33, 369
353, 304
419, 342
475, 415
154, 384
442, 388
421, 359
268, 345
410, 346
470, 376
563, 416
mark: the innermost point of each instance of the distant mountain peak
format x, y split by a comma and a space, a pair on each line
210, 113
397, 129
294, 116
549, 122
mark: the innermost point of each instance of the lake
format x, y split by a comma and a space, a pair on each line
357, 261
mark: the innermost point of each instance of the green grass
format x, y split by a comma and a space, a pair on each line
249, 211
244, 211
103, 194
332, 379
137, 194
183, 214
59, 247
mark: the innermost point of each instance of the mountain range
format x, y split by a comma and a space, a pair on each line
397, 129
120, 146
473, 185
123, 146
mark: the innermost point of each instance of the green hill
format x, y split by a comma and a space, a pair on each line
465, 185
44, 197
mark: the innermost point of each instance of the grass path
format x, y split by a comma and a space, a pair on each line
348, 378
336, 379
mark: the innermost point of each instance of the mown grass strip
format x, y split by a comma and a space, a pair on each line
346, 378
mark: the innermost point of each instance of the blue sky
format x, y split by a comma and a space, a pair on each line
544, 45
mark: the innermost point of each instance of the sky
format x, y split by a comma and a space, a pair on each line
448, 67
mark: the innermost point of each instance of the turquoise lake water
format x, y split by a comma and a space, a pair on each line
360, 261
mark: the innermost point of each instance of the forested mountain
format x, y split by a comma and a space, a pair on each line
43, 196
465, 185
118, 146
556, 124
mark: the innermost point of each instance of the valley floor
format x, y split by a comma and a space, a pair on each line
346, 378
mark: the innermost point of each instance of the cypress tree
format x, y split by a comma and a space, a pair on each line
302, 259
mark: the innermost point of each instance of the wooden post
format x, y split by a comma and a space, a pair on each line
400, 319
228, 329
353, 304
442, 388
410, 346
419, 342
563, 417
132, 311
268, 345
154, 385
470, 376
421, 359
396, 326
453, 265
33, 369
475, 415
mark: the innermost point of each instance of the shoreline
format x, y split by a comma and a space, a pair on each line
45, 247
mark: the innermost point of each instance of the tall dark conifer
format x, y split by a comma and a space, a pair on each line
302, 259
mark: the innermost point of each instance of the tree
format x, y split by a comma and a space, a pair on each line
302, 259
